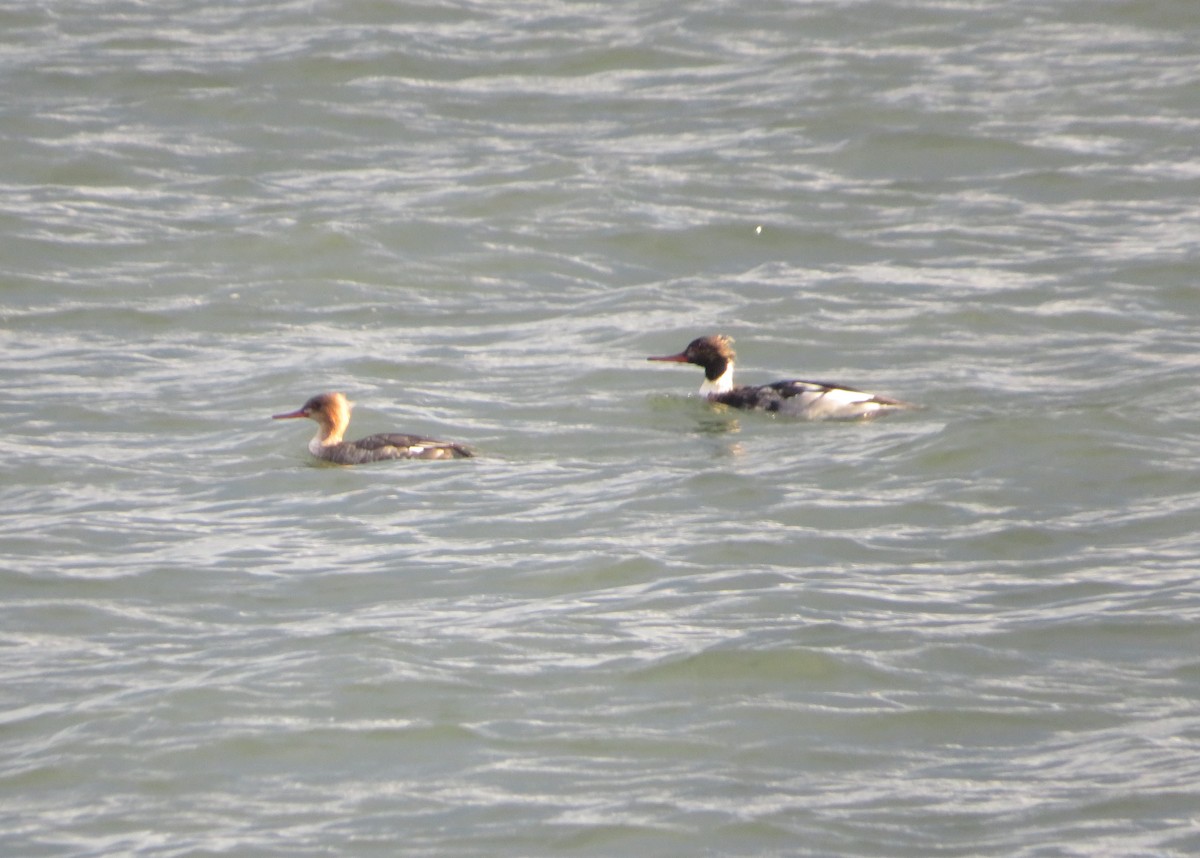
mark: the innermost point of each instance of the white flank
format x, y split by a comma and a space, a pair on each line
841, 396
839, 403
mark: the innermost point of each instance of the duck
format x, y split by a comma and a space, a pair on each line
809, 400
331, 412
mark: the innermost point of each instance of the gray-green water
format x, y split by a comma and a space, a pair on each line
634, 625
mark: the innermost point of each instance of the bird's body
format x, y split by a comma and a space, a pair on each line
811, 400
331, 412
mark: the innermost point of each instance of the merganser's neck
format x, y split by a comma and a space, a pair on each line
327, 435
718, 378
332, 423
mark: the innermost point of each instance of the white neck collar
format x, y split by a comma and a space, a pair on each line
724, 384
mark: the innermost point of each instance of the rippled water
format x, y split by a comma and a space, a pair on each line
635, 624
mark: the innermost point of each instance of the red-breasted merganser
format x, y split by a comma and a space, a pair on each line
331, 411
812, 400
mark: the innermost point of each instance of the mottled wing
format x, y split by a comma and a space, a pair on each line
393, 445
813, 400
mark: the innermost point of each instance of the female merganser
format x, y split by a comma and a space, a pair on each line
331, 411
812, 400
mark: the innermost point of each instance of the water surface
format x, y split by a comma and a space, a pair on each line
634, 623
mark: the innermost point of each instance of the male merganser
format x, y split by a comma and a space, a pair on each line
331, 411
812, 400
